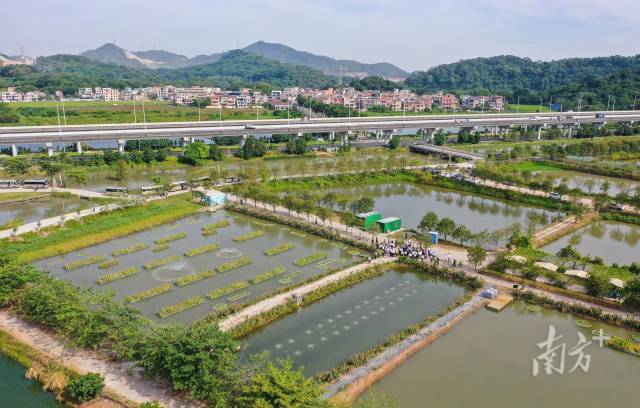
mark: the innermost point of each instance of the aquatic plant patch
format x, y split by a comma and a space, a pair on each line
624, 345
235, 286
248, 236
130, 249
288, 279
109, 263
297, 234
146, 294
310, 259
180, 307
170, 238
216, 225
132, 270
236, 263
80, 263
263, 224
201, 250
277, 271
160, 262
196, 277
238, 296
160, 247
279, 249
583, 324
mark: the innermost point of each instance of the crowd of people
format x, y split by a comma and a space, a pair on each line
414, 250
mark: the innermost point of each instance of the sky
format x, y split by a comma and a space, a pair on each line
413, 34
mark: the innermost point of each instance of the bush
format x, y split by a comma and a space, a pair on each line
85, 387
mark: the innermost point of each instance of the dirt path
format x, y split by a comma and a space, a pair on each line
120, 378
283, 298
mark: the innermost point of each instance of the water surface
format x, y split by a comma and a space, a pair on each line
18, 392
41, 208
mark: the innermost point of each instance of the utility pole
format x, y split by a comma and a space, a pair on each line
634, 102
135, 117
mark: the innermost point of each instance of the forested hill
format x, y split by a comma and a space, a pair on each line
508, 74
233, 70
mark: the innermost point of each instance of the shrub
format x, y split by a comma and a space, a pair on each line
128, 250
118, 275
160, 247
279, 249
310, 259
170, 238
219, 292
216, 225
109, 263
236, 263
146, 294
80, 263
278, 270
196, 277
85, 387
202, 250
248, 236
180, 307
162, 261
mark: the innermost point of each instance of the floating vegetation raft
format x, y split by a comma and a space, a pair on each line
278, 270
279, 249
249, 235
583, 323
196, 277
128, 250
132, 270
146, 294
310, 259
83, 262
211, 229
202, 250
636, 338
289, 278
160, 247
624, 345
238, 296
297, 234
236, 263
356, 253
170, 238
235, 286
162, 261
109, 263
180, 307
533, 308
263, 224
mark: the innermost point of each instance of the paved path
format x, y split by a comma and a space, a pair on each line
75, 191
283, 298
117, 375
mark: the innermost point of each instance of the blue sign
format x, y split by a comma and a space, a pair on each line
555, 106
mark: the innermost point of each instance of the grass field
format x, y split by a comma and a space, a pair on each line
528, 166
17, 197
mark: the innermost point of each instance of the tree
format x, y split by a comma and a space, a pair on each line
446, 227
604, 187
632, 292
148, 155
85, 387
429, 222
195, 153
439, 138
122, 173
78, 176
330, 199
362, 205
17, 166
52, 168
252, 148
297, 146
596, 283
280, 386
215, 153
394, 142
476, 256
462, 234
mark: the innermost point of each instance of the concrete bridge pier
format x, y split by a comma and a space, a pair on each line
184, 141
332, 136
121, 143
427, 135
14, 150
49, 146
79, 147
539, 132
299, 134
243, 140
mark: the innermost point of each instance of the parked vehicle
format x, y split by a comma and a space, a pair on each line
555, 196
599, 115
615, 206
36, 183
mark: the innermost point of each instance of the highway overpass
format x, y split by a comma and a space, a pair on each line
188, 130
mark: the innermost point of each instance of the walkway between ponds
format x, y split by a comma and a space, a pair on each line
118, 375
75, 191
281, 299
347, 388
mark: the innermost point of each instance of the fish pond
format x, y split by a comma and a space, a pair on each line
325, 333
41, 208
487, 361
181, 271
19, 392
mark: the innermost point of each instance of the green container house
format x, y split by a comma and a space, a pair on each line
370, 218
390, 224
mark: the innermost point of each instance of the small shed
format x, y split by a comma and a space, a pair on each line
370, 218
211, 197
390, 224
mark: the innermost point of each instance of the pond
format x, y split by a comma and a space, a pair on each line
325, 333
579, 180
18, 392
487, 361
226, 250
41, 208
411, 201
614, 242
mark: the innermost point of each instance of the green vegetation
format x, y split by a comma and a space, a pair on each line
129, 250
146, 294
85, 387
170, 238
201, 250
180, 307
249, 235
624, 345
272, 273
132, 270
196, 277
236, 263
80, 263
109, 263
160, 262
219, 292
216, 225
100, 228
6, 198
195, 153
161, 247
310, 259
279, 249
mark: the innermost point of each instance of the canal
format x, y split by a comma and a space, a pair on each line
18, 392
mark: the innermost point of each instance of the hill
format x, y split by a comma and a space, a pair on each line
152, 59
288, 55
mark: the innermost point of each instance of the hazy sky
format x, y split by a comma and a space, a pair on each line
413, 34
